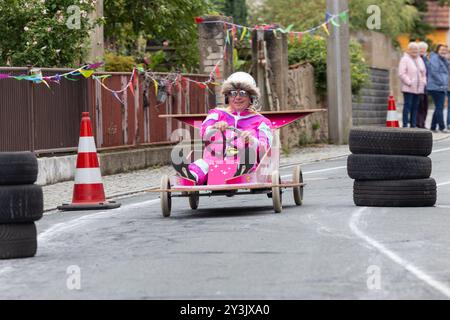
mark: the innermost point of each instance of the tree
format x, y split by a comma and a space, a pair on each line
41, 33
129, 22
233, 8
398, 16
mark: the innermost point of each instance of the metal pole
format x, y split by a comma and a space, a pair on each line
338, 77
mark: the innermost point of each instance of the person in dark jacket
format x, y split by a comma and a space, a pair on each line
423, 98
437, 85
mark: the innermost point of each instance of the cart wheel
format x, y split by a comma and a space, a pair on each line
297, 177
194, 199
276, 193
166, 199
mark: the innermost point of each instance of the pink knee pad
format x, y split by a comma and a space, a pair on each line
197, 172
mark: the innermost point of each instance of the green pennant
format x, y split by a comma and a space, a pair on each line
334, 23
344, 16
66, 77
103, 76
289, 28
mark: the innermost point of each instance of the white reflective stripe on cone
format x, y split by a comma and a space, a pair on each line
86, 144
88, 176
392, 116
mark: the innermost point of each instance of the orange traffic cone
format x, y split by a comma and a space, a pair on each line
88, 192
392, 116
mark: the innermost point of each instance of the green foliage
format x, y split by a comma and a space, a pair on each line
128, 21
314, 51
397, 16
157, 59
34, 32
115, 62
233, 8
316, 126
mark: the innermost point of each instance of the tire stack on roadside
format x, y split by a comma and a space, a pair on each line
21, 204
391, 167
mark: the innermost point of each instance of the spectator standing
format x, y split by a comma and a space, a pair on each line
412, 73
423, 98
437, 85
448, 97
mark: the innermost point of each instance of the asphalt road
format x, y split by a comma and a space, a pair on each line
238, 248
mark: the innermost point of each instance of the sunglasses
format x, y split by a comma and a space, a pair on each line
241, 93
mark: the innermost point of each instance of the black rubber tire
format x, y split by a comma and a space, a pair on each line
395, 193
387, 167
21, 203
18, 240
194, 199
18, 168
398, 141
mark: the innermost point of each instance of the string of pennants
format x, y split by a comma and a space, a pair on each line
36, 75
241, 32
164, 84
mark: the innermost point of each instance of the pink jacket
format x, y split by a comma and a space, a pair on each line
257, 124
413, 74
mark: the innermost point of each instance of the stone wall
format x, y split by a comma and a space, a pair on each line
302, 95
380, 53
213, 49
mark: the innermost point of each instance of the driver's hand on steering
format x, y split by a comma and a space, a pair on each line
221, 125
246, 135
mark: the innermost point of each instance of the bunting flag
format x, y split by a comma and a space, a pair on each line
233, 31
324, 26
344, 16
329, 18
217, 70
156, 86
116, 95
299, 37
131, 83
292, 37
102, 77
36, 75
244, 32
87, 73
335, 23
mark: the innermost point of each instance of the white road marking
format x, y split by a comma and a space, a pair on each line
441, 150
55, 230
443, 184
65, 226
418, 273
317, 171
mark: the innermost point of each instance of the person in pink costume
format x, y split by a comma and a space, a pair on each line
255, 136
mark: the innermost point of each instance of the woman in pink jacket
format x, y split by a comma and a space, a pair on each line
241, 94
412, 73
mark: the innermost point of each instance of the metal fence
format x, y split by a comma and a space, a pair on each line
36, 118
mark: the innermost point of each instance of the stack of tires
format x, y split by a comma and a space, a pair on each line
391, 167
21, 204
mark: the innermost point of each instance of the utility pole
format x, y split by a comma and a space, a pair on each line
96, 36
338, 77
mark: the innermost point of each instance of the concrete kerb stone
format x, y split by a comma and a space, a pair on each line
59, 169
